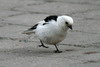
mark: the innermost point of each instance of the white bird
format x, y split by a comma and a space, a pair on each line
52, 30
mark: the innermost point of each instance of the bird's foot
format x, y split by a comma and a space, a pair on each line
43, 46
57, 51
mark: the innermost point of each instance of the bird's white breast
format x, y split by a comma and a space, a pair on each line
50, 33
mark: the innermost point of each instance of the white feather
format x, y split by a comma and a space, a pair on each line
54, 31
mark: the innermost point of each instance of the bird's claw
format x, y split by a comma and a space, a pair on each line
56, 51
43, 46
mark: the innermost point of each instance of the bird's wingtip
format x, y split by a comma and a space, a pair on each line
28, 32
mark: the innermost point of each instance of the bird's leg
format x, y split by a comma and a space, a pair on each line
42, 45
57, 50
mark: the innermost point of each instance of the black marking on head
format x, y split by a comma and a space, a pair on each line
49, 18
45, 23
33, 27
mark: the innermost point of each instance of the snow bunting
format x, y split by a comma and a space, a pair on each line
52, 30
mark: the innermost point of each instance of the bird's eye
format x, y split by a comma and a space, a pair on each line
66, 22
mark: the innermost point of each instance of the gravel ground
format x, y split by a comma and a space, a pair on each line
81, 48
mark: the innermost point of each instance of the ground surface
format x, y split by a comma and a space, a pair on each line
81, 48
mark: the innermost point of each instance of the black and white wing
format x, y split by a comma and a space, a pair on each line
30, 30
33, 27
45, 22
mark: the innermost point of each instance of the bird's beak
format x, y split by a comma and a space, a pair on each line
70, 26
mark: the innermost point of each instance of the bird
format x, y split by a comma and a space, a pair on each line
51, 30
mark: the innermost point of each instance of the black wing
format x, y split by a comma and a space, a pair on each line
33, 27
52, 17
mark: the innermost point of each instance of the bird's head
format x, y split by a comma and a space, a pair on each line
67, 20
